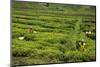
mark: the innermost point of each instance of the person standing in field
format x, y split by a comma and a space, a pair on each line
80, 44
30, 29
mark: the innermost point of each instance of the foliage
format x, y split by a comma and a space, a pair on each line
58, 28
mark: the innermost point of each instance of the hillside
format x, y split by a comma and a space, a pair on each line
57, 28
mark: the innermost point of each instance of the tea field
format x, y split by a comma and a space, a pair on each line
56, 28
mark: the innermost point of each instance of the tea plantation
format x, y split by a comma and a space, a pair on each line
57, 28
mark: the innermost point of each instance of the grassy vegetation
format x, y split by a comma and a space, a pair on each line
58, 27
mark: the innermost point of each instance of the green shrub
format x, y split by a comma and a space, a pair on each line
29, 37
21, 52
77, 56
92, 36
